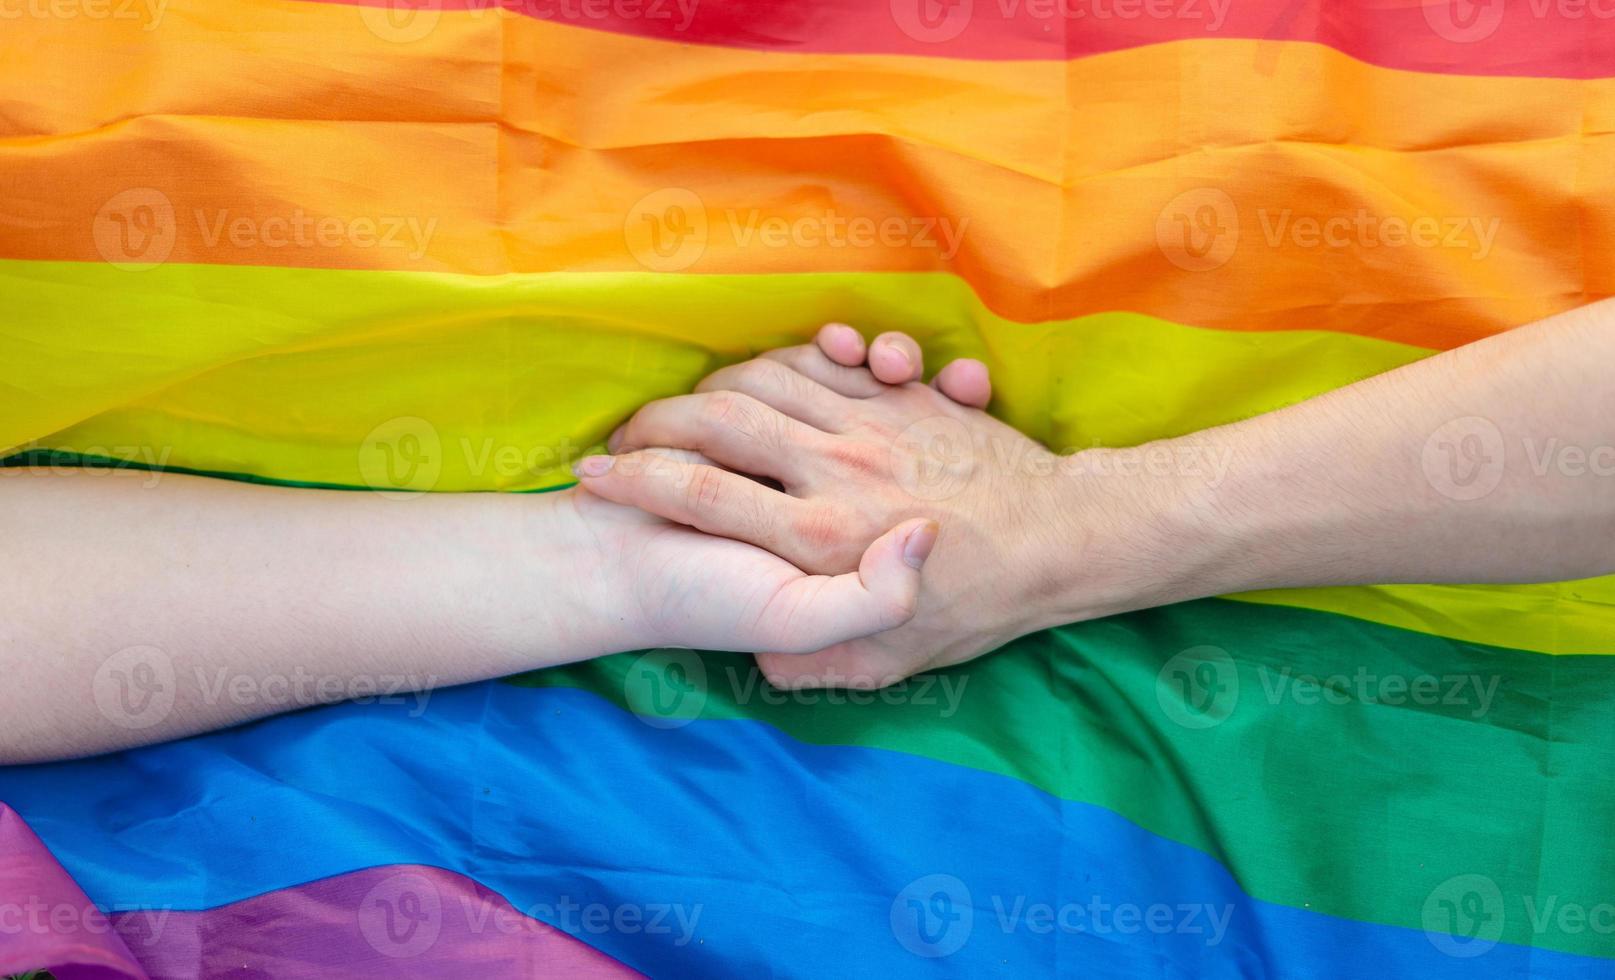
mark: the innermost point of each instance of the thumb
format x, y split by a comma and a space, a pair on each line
818, 611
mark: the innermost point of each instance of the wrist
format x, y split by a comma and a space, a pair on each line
564, 599
601, 557
1139, 527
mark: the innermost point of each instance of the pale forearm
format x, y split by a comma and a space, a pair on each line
137, 612
1491, 463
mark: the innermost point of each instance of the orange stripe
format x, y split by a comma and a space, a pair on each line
535, 147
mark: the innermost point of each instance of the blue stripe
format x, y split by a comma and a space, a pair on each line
793, 856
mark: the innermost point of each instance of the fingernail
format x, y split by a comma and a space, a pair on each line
593, 466
919, 544
616, 439
900, 354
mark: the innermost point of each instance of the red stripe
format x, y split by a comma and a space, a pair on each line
1548, 38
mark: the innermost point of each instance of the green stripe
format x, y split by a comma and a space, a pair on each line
1356, 809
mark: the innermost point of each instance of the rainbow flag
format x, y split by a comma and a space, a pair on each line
446, 246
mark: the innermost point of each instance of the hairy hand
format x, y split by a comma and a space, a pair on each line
846, 456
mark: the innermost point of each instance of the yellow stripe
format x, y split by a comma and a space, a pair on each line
284, 371
1551, 617
445, 382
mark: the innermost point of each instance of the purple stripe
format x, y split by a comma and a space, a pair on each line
46, 920
400, 922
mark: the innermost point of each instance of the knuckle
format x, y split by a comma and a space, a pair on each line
772, 376
859, 458
705, 489
759, 374
730, 410
822, 528
818, 530
717, 407
746, 416
829, 539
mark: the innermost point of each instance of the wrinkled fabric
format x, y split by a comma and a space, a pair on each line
448, 247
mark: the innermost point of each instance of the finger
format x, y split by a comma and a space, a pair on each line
842, 344
863, 664
704, 497
895, 358
613, 510
810, 362
730, 428
782, 389
965, 381
817, 611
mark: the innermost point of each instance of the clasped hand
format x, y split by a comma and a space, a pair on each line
811, 453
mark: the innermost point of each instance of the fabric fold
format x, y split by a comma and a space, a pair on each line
46, 920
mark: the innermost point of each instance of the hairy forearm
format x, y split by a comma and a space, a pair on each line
136, 612
1491, 463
